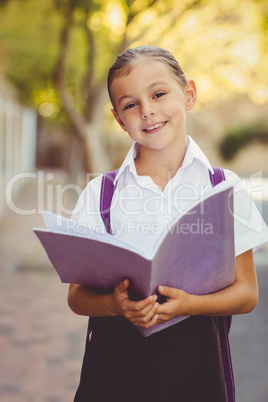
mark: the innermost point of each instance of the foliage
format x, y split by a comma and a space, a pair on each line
220, 44
238, 137
29, 45
57, 52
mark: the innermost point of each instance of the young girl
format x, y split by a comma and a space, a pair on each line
164, 171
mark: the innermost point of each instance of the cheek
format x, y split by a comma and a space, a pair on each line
176, 111
176, 104
130, 122
125, 122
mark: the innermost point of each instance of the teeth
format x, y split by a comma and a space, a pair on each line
154, 127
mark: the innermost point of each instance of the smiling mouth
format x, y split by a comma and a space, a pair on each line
154, 127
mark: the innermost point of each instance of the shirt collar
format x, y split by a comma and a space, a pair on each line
128, 162
193, 152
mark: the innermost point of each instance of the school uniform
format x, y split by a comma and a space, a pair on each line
182, 362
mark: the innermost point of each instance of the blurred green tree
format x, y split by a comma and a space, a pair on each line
57, 52
238, 137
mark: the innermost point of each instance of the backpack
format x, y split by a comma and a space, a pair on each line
223, 323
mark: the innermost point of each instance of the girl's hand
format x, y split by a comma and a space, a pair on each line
239, 298
176, 305
140, 312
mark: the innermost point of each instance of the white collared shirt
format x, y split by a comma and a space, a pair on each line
140, 210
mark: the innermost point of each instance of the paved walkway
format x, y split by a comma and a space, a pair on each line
42, 341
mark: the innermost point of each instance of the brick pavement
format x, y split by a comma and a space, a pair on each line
41, 340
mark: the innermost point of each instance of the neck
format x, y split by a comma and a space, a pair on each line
161, 165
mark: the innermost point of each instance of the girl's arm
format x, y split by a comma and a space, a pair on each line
240, 297
84, 301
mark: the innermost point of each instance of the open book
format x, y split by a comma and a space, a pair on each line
195, 253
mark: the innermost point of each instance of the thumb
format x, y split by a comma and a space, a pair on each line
123, 285
170, 293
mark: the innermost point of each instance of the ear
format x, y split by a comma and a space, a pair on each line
191, 95
119, 121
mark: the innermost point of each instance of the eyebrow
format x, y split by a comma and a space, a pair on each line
154, 84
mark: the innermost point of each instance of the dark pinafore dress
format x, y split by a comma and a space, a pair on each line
187, 362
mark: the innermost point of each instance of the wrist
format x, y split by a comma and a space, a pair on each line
113, 305
195, 305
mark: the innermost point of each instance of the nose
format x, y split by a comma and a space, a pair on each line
147, 110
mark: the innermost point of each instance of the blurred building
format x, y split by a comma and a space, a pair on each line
17, 138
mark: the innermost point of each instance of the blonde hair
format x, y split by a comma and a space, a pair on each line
125, 62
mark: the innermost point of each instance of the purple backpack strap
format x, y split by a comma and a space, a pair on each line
106, 195
217, 177
223, 324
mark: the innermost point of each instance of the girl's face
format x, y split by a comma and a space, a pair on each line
151, 105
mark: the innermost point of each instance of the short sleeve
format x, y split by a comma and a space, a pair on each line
87, 208
250, 230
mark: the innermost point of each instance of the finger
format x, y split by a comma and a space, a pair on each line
141, 317
153, 321
161, 320
150, 309
138, 306
123, 285
147, 314
162, 314
171, 293
151, 313
165, 311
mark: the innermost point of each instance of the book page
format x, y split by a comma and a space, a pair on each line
59, 224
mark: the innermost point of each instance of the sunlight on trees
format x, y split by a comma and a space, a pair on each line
48, 101
222, 48
59, 52
115, 18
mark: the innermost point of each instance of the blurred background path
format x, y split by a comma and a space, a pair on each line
42, 341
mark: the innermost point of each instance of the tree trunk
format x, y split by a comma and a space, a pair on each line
97, 155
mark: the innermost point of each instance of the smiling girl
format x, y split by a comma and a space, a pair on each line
150, 97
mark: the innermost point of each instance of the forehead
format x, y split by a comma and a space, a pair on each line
141, 76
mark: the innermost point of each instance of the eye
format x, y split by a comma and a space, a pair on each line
129, 106
159, 94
